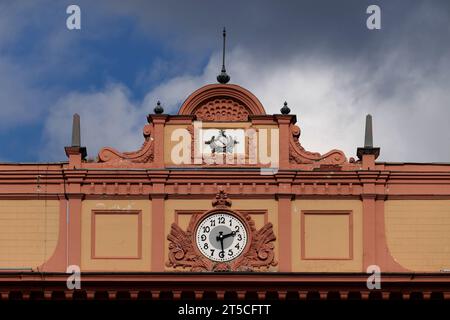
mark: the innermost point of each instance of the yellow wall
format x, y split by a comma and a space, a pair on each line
327, 238
117, 243
28, 232
171, 206
418, 233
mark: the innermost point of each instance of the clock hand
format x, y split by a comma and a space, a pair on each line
232, 234
220, 238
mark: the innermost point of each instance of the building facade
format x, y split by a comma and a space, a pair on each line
222, 201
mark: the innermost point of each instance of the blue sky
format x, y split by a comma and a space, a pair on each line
317, 55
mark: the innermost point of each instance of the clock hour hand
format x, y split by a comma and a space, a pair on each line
220, 236
232, 234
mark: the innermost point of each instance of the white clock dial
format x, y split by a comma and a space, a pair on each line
221, 237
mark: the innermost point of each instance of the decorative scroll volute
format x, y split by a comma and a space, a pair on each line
258, 256
298, 154
143, 155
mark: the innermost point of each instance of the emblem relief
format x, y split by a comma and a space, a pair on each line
184, 252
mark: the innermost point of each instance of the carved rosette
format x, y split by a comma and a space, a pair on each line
222, 110
298, 154
258, 256
143, 155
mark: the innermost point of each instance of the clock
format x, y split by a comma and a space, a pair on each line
221, 237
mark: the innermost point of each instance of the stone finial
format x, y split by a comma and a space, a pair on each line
368, 137
75, 148
76, 132
368, 148
158, 109
285, 109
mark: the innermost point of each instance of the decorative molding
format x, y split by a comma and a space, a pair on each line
221, 201
230, 95
433, 286
254, 212
259, 254
298, 154
94, 213
221, 109
348, 213
179, 213
144, 155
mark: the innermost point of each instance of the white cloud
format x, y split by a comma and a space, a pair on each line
330, 101
108, 117
25, 64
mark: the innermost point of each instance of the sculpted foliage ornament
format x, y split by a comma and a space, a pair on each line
214, 241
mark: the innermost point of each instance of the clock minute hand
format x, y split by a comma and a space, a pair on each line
220, 238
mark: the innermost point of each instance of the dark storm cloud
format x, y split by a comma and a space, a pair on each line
317, 54
400, 73
278, 28
418, 32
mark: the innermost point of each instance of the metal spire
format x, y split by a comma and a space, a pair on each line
223, 77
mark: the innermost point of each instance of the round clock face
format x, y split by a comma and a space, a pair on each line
221, 237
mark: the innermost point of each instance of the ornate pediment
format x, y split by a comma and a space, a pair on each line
226, 143
219, 102
222, 109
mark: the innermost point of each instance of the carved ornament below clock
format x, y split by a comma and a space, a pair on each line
191, 249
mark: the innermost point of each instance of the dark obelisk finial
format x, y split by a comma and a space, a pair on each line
75, 148
76, 132
368, 141
223, 77
368, 137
